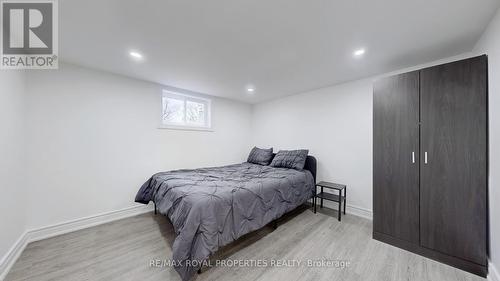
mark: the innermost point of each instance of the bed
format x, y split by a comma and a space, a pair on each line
212, 207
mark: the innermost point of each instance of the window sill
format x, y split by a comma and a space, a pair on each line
186, 128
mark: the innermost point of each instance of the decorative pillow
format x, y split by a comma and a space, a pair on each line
292, 159
260, 156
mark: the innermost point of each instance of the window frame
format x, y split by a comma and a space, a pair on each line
185, 125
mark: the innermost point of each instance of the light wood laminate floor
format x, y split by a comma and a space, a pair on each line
122, 250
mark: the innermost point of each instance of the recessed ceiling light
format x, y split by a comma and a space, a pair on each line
250, 90
359, 53
135, 55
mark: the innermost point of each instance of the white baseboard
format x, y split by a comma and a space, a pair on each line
360, 212
74, 225
493, 273
62, 228
12, 255
351, 209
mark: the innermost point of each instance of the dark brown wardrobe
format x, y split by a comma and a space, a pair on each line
430, 163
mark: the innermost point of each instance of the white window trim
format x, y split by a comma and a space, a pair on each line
186, 127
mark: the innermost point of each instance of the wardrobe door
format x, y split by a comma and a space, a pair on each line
395, 156
453, 191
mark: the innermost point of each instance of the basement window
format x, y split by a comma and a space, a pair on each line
185, 112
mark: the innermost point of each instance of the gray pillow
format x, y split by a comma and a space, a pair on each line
292, 159
260, 156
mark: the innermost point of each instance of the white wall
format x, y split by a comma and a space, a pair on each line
334, 124
12, 164
490, 44
94, 139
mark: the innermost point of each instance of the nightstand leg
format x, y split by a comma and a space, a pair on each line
340, 207
321, 197
345, 198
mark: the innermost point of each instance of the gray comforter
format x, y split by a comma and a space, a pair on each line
211, 207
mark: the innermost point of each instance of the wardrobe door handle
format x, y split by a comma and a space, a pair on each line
425, 157
413, 157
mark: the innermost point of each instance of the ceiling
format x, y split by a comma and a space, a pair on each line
280, 47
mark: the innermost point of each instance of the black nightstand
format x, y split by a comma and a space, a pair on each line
339, 198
